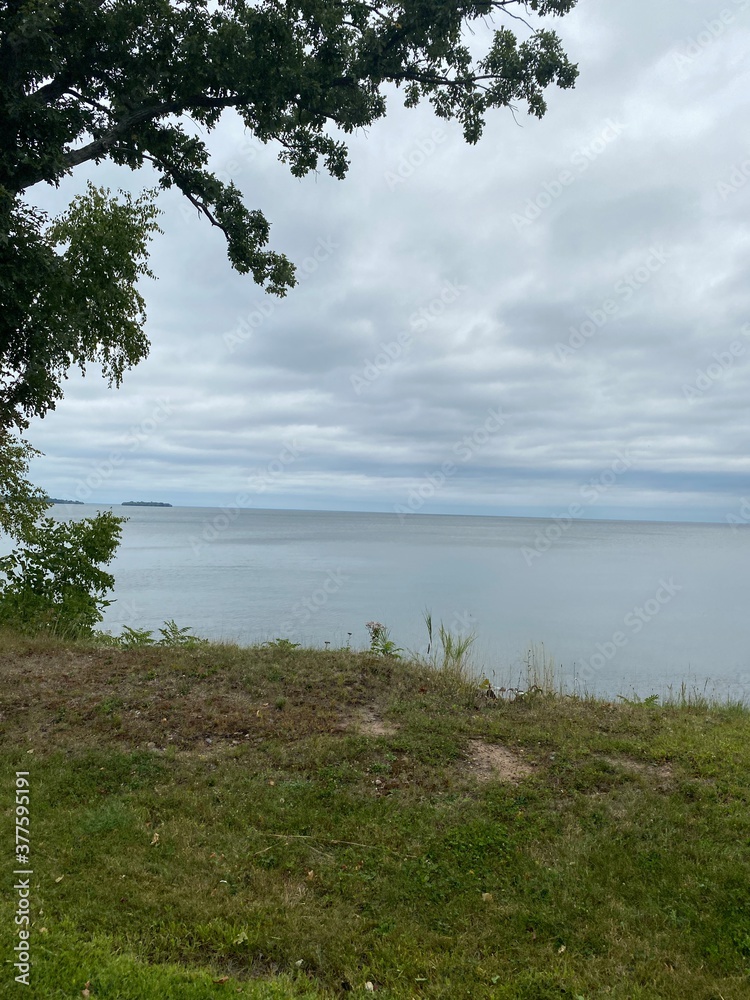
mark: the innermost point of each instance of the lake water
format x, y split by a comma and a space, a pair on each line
622, 607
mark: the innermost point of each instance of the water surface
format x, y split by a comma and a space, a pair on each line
623, 607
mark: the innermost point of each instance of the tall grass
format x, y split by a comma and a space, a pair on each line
540, 671
450, 654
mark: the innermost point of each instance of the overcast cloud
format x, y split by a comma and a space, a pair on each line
478, 329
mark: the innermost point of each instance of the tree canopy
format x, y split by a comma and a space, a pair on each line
88, 80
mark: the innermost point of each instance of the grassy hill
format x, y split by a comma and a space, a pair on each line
276, 823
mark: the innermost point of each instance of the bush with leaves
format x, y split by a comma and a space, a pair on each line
52, 580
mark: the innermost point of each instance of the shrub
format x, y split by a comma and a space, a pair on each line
53, 580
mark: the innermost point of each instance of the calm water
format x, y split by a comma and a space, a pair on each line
622, 606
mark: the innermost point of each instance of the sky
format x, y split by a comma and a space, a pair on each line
554, 322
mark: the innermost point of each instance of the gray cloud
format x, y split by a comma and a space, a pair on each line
438, 281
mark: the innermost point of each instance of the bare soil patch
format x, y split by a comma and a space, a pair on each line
369, 723
492, 761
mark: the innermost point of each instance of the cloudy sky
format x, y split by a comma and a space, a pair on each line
558, 317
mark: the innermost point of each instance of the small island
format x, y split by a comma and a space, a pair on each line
144, 503
56, 500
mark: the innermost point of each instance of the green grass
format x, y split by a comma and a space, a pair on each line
281, 823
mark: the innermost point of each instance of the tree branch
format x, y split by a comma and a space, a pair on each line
196, 202
102, 145
53, 90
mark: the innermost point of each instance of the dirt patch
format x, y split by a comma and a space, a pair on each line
369, 723
491, 761
660, 773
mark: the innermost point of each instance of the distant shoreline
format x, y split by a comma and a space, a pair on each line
144, 503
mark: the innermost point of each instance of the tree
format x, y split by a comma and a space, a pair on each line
85, 80
71, 307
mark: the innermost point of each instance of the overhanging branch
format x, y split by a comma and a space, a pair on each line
192, 198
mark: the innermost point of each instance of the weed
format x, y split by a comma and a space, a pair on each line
652, 701
282, 645
173, 636
380, 641
134, 638
453, 655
